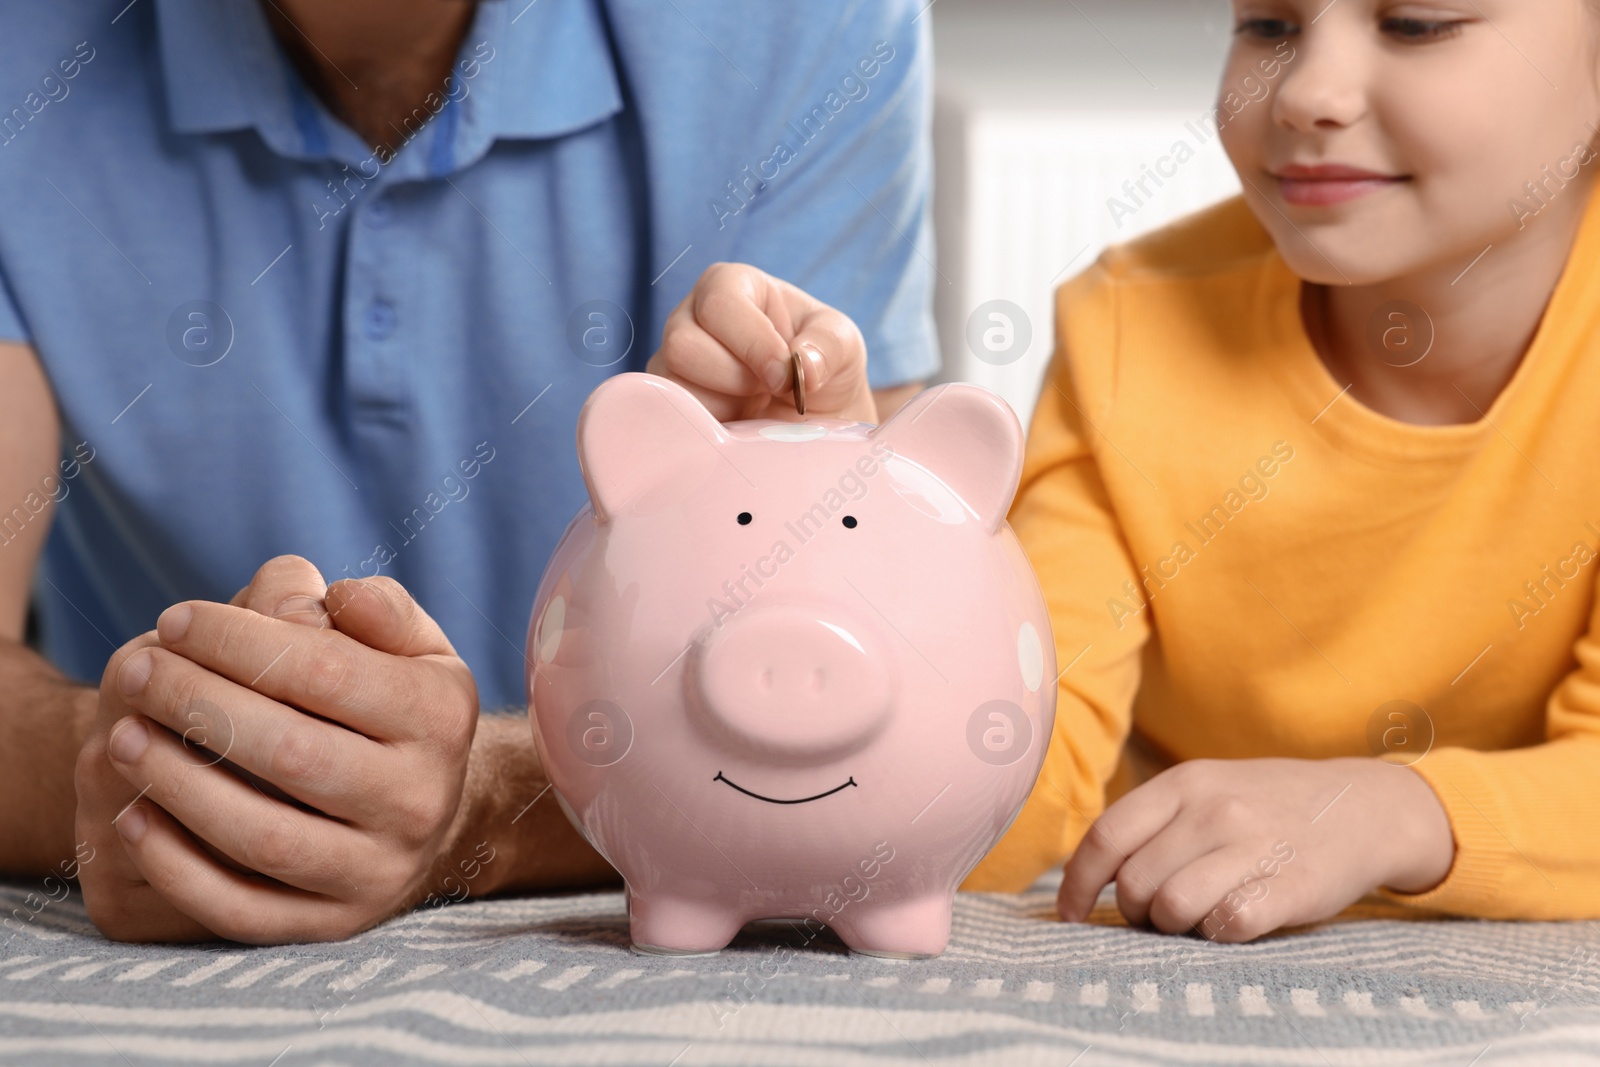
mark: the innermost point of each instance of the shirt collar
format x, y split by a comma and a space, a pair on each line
539, 69
557, 73
208, 68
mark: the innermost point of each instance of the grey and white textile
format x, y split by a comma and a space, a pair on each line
551, 980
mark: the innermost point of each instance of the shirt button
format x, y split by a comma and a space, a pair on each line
380, 320
380, 212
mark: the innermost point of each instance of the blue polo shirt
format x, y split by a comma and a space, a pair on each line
266, 340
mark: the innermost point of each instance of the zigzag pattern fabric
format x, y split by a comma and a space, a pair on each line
544, 980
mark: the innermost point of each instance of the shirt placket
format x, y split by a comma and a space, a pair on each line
378, 307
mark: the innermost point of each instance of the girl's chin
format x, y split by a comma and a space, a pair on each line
1323, 262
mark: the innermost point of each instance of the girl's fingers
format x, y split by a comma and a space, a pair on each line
1143, 874
733, 340
747, 313
834, 353
703, 365
1220, 895
1123, 829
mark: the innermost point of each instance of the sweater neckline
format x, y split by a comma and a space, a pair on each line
1353, 426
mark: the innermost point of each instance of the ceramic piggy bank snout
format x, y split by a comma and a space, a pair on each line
792, 682
792, 671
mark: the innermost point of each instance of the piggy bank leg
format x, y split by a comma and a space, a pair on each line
901, 929
677, 926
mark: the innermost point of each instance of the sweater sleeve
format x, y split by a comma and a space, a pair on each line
1067, 524
1526, 821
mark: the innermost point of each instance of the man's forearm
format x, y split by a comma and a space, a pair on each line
44, 719
510, 813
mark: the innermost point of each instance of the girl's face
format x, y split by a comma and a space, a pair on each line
1399, 137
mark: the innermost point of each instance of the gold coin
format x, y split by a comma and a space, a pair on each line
799, 383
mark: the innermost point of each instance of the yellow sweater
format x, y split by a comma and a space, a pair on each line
1242, 562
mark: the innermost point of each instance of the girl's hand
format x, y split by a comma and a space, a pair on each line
1237, 848
729, 343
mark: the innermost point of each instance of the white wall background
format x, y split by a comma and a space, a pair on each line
1043, 109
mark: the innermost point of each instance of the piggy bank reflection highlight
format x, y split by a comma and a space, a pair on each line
792, 670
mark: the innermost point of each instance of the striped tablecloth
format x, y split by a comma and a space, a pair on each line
551, 979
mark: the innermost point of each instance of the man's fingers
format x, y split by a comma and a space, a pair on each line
380, 614
257, 832
119, 901
130, 910
286, 587
250, 910
319, 763
1120, 831
322, 671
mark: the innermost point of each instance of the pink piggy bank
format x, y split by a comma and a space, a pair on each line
783, 670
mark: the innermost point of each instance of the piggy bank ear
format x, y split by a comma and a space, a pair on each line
636, 432
968, 438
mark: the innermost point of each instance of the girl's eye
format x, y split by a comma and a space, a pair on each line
1419, 30
1265, 29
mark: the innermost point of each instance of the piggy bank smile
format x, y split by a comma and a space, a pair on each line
750, 620
775, 800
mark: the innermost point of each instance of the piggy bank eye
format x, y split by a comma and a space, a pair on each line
744, 518
849, 522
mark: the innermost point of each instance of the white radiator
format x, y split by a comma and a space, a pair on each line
1026, 161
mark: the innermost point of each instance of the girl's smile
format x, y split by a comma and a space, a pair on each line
1329, 183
